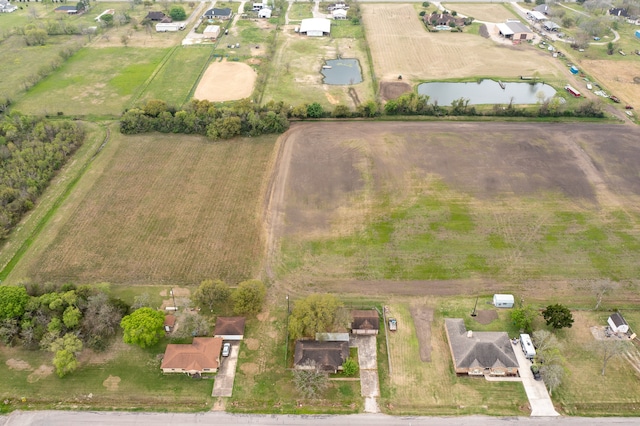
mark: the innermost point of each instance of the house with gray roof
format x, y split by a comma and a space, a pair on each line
323, 356
480, 353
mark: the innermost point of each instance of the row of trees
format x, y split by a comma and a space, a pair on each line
32, 149
247, 298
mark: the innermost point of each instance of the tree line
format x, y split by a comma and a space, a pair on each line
32, 149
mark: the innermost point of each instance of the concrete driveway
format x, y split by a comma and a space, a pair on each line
223, 384
368, 362
539, 399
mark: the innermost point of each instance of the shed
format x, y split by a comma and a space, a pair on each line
617, 323
515, 30
536, 16
365, 321
169, 323
229, 328
212, 31
339, 14
550, 26
503, 300
264, 13
315, 27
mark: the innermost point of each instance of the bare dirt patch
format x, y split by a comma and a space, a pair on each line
18, 364
422, 318
250, 368
226, 81
252, 344
618, 77
111, 383
177, 292
401, 45
393, 89
486, 316
40, 373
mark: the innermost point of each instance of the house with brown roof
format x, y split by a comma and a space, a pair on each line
230, 328
365, 321
169, 323
445, 19
201, 356
323, 356
158, 17
479, 353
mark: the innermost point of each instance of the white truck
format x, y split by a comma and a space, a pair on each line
163, 27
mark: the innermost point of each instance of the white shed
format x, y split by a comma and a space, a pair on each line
503, 300
264, 13
617, 323
212, 31
339, 14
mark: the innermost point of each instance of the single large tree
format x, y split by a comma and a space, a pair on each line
210, 293
558, 316
65, 349
310, 382
248, 297
314, 314
610, 349
143, 327
523, 317
177, 13
13, 300
601, 288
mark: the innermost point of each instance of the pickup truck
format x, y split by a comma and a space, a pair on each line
393, 324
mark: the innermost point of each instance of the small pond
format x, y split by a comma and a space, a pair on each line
486, 92
342, 72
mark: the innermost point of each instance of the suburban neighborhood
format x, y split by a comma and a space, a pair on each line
285, 211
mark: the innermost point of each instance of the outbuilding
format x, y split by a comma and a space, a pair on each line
503, 300
550, 26
230, 328
315, 27
515, 30
339, 14
264, 13
617, 323
212, 32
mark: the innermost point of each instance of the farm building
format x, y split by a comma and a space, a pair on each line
215, 13
324, 356
480, 353
536, 16
6, 7
503, 300
617, 323
515, 30
212, 31
365, 321
70, 10
543, 8
158, 17
264, 13
201, 356
169, 323
315, 27
550, 26
229, 328
339, 14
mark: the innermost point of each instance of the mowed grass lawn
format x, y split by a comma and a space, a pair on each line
93, 81
158, 209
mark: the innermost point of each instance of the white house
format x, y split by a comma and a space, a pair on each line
339, 14
315, 27
264, 13
503, 300
6, 7
617, 323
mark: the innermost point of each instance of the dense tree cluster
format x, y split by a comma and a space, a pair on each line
61, 320
205, 118
31, 150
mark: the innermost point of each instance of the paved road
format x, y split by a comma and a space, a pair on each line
74, 418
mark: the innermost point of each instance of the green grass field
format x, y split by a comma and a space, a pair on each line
300, 11
93, 81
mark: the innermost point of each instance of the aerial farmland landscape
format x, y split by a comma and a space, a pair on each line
305, 207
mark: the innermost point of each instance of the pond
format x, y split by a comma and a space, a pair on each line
486, 92
342, 72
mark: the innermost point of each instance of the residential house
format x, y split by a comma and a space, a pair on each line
230, 328
215, 13
6, 7
336, 6
365, 321
543, 8
158, 17
323, 356
619, 11
480, 353
442, 19
201, 356
339, 14
617, 323
169, 323
264, 13
550, 26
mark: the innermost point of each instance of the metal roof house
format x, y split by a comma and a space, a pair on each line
480, 353
315, 27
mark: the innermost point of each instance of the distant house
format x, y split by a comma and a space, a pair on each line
70, 10
158, 17
550, 26
264, 13
442, 19
6, 7
258, 6
365, 321
515, 30
480, 353
339, 14
324, 356
543, 8
201, 356
215, 13
337, 6
619, 11
230, 328
169, 323
617, 323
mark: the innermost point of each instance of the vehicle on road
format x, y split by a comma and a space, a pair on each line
226, 349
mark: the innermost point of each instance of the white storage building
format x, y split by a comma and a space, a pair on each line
315, 27
617, 323
503, 300
212, 31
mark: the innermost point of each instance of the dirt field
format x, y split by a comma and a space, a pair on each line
393, 89
226, 81
159, 209
482, 12
618, 77
401, 45
522, 184
422, 318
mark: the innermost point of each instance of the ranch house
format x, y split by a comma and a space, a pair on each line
324, 356
444, 19
69, 10
215, 13
158, 17
201, 356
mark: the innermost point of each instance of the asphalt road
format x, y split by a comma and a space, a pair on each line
74, 418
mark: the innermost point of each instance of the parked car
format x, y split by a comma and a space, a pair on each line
393, 324
226, 349
536, 372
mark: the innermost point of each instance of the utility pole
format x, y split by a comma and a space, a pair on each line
473, 314
286, 348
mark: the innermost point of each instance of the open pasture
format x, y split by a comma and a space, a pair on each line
400, 45
93, 81
159, 209
494, 12
487, 202
621, 78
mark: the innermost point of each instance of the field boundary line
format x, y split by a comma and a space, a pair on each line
8, 267
153, 75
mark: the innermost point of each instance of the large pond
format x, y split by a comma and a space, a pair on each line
487, 92
342, 72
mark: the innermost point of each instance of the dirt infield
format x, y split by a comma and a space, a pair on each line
422, 319
401, 45
226, 81
393, 89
